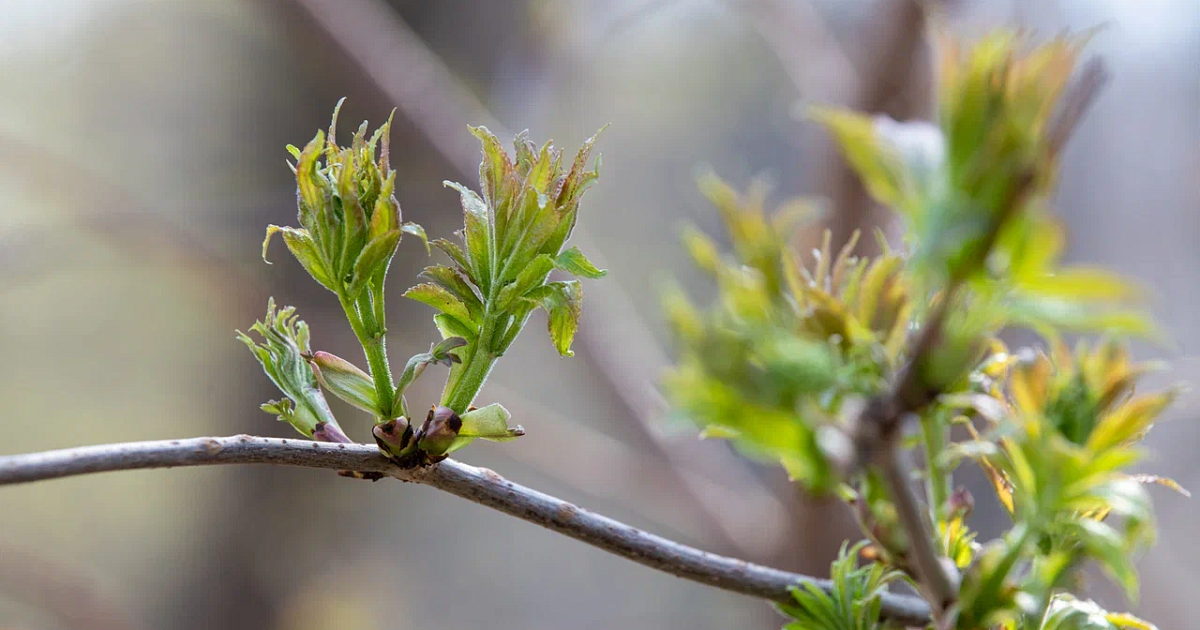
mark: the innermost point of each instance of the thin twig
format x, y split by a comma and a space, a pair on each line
479, 485
937, 584
604, 467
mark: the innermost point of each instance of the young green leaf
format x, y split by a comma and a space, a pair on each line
451, 327
477, 234
354, 217
445, 302
419, 232
439, 353
562, 302
496, 170
386, 215
376, 255
532, 275
853, 601
459, 286
311, 185
489, 423
302, 246
282, 354
574, 262
456, 254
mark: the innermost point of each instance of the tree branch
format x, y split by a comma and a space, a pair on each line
479, 485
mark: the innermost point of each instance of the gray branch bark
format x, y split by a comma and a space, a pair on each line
479, 485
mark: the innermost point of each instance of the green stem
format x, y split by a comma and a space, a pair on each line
939, 486
462, 389
374, 345
464, 383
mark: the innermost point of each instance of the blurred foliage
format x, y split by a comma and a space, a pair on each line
785, 348
1063, 432
789, 355
1068, 613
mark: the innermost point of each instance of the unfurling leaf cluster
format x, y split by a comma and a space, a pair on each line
349, 228
283, 354
514, 232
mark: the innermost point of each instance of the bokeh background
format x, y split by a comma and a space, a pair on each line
141, 156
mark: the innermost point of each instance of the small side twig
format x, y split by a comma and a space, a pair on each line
938, 578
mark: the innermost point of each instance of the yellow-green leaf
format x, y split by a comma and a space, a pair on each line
702, 249
302, 246
378, 253
574, 262
445, 302
1126, 621
718, 432
419, 232
1080, 284
563, 302
489, 423
879, 169
1128, 422
531, 275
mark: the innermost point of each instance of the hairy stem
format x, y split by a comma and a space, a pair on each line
478, 485
370, 336
464, 386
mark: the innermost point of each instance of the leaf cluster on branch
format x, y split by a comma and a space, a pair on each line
350, 227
